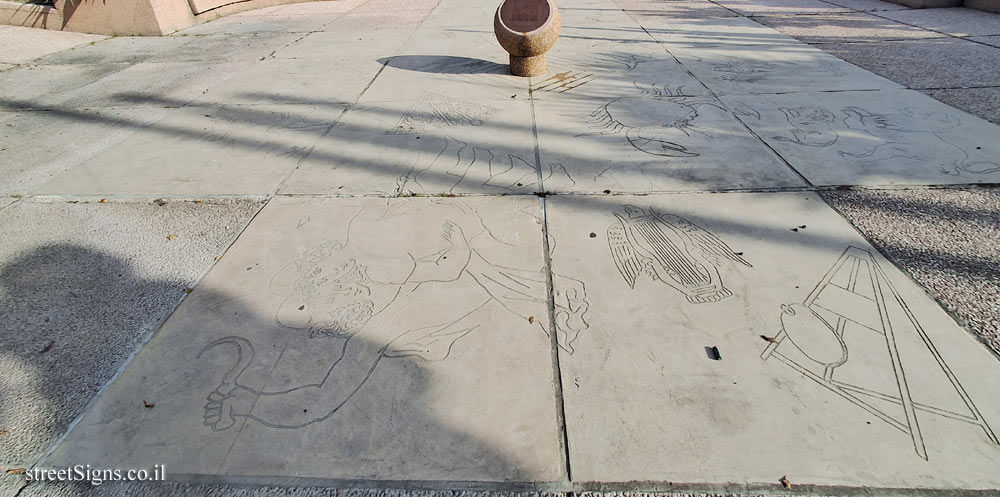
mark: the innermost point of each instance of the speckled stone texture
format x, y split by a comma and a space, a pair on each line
857, 26
81, 286
933, 63
527, 49
981, 102
955, 22
949, 240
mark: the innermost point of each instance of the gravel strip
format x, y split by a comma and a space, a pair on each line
949, 240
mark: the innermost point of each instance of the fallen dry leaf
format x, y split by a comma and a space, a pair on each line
104, 200
148, 405
16, 471
531, 319
188, 290
4, 432
769, 339
785, 483
218, 258
171, 237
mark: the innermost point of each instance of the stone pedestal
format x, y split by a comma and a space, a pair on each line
527, 29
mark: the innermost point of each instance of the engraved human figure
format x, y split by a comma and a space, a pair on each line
414, 322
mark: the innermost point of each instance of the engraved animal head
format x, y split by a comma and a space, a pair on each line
747, 72
909, 120
808, 116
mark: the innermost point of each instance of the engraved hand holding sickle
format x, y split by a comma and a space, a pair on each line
672, 250
338, 305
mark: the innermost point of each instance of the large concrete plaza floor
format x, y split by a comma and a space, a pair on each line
334, 244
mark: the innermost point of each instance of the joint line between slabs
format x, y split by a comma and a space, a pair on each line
557, 386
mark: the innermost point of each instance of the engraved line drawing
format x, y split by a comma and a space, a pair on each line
435, 112
750, 71
672, 250
653, 126
334, 298
813, 126
852, 300
563, 82
905, 135
474, 168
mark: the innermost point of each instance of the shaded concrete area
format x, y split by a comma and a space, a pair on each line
82, 286
626, 274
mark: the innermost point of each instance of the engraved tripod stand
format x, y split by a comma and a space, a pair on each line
856, 290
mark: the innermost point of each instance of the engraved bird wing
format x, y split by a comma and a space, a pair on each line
629, 263
709, 243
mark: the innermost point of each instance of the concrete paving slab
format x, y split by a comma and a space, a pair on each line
19, 87
371, 360
772, 7
119, 49
843, 27
317, 8
38, 146
887, 137
867, 5
410, 75
595, 16
82, 285
680, 10
392, 5
297, 81
147, 84
624, 32
865, 381
26, 44
733, 70
266, 11
989, 40
934, 63
980, 102
228, 47
607, 70
474, 16
468, 41
262, 24
377, 21
204, 150
736, 32
957, 21
342, 44
437, 145
649, 142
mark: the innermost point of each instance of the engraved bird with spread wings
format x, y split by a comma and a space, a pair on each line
670, 249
